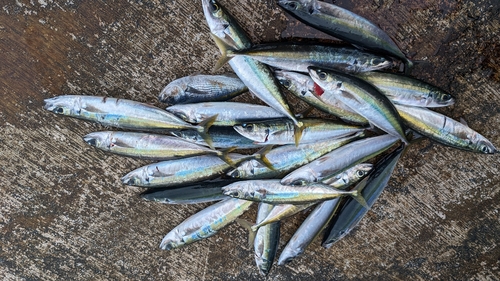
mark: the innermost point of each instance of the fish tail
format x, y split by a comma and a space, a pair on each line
224, 155
223, 47
297, 132
251, 233
203, 130
356, 195
260, 156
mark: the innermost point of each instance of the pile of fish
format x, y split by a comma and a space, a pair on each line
300, 163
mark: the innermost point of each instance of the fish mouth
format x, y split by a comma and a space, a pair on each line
231, 193
170, 94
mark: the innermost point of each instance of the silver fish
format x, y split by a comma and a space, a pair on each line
350, 176
282, 131
181, 172
266, 240
205, 223
202, 88
445, 130
146, 146
228, 113
273, 192
297, 57
405, 90
339, 160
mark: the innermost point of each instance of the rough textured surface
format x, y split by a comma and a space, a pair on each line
65, 215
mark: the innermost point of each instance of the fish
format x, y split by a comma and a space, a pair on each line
202, 88
372, 186
257, 76
406, 90
345, 25
205, 223
266, 241
122, 113
181, 172
297, 57
286, 158
303, 87
200, 192
281, 131
228, 113
361, 97
222, 137
445, 130
340, 160
147, 146
273, 192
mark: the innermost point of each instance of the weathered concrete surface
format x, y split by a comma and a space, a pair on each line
65, 215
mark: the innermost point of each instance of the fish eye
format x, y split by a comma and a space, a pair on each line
215, 7
485, 149
377, 61
446, 97
322, 75
360, 173
248, 127
285, 83
92, 142
59, 110
292, 5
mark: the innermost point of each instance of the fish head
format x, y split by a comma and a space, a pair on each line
182, 111
101, 140
438, 98
302, 177
485, 146
64, 105
298, 6
376, 63
172, 94
233, 192
325, 79
219, 22
257, 132
138, 177
358, 172
295, 82
171, 241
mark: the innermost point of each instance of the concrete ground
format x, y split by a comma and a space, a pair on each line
64, 214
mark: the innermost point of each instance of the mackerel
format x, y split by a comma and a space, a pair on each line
444, 130
273, 192
405, 90
205, 223
266, 240
297, 57
228, 113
